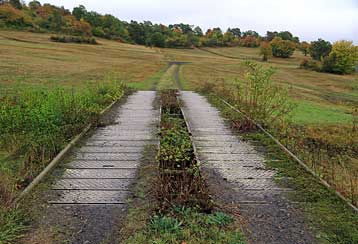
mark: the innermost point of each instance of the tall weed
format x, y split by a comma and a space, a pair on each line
36, 123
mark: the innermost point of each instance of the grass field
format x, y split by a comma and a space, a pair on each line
31, 59
37, 61
334, 96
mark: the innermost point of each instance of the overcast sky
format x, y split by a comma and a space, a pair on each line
309, 19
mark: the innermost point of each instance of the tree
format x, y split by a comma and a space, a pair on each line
265, 50
285, 35
282, 48
320, 49
250, 33
137, 32
270, 35
249, 41
34, 5
157, 39
342, 59
198, 31
79, 12
235, 31
16, 4
228, 38
304, 47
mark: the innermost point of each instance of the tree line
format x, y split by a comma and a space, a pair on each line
341, 57
37, 17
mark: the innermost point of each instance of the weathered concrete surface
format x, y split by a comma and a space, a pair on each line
270, 217
90, 197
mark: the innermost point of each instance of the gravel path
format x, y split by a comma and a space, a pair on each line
89, 199
270, 217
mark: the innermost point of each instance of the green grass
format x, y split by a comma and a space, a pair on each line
12, 225
331, 220
187, 225
321, 89
43, 62
35, 124
308, 112
167, 81
150, 83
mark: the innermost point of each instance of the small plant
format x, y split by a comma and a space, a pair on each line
164, 224
219, 219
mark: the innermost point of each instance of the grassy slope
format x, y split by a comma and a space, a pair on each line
43, 62
333, 96
39, 61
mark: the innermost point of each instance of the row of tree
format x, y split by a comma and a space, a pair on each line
339, 58
47, 17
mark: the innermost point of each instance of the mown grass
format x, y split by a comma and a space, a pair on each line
167, 81
326, 91
42, 62
308, 112
149, 84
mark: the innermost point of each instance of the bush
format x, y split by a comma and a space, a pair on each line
249, 41
260, 98
282, 48
74, 39
311, 64
265, 50
342, 59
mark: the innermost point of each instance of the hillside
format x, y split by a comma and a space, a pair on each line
50, 91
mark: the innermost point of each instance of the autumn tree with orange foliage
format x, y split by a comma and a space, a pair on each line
265, 50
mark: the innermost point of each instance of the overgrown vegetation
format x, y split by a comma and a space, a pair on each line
35, 124
185, 212
180, 182
188, 225
330, 218
331, 151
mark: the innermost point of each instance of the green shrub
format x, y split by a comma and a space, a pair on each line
342, 59
282, 48
259, 97
74, 39
311, 64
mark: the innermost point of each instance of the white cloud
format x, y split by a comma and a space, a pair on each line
309, 19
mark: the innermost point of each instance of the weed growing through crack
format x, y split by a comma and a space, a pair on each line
184, 212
